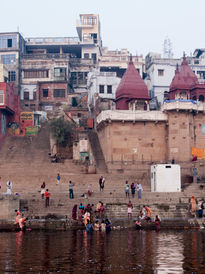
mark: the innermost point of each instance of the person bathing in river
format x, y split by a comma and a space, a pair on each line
86, 217
157, 223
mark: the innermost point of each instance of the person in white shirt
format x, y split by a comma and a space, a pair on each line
139, 190
9, 187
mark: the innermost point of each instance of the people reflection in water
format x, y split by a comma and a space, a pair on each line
47, 253
19, 240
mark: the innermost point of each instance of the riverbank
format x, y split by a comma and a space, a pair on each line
51, 224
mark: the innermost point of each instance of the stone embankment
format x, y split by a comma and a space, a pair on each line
25, 162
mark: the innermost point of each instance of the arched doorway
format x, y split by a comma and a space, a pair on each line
201, 98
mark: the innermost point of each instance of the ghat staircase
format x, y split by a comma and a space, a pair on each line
25, 162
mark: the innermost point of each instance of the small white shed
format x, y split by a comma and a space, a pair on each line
165, 178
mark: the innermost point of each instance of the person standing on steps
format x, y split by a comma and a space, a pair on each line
102, 183
43, 190
71, 193
47, 195
133, 189
0, 183
58, 179
139, 191
129, 210
127, 189
9, 187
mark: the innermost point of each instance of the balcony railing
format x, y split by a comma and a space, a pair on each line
52, 40
46, 56
80, 61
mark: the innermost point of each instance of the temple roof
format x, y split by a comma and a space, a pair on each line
184, 78
132, 86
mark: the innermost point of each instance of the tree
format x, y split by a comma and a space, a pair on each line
61, 130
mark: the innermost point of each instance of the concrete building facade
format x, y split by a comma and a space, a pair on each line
160, 72
133, 139
101, 85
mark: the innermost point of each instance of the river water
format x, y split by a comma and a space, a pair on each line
120, 251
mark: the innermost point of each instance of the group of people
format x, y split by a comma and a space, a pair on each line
146, 214
70, 187
197, 207
45, 193
9, 186
133, 188
85, 215
104, 225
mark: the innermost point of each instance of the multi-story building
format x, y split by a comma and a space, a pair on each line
117, 61
12, 45
9, 107
101, 89
160, 72
61, 62
3, 73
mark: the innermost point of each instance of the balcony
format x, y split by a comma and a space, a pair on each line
46, 56
80, 61
52, 41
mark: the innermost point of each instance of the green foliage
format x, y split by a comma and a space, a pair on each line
61, 130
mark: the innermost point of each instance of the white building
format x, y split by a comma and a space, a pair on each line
160, 72
101, 84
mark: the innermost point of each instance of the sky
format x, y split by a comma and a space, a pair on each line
141, 26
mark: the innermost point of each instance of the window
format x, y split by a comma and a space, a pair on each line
86, 55
94, 36
9, 43
34, 95
12, 76
90, 20
59, 93
79, 114
160, 72
94, 56
101, 89
26, 95
201, 98
1, 97
60, 73
33, 73
201, 74
45, 92
74, 102
109, 89
8, 59
79, 78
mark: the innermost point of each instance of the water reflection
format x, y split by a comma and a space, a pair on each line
169, 253
117, 252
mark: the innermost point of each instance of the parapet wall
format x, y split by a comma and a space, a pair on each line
8, 204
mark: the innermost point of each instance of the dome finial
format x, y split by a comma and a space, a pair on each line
177, 68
